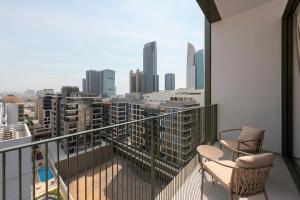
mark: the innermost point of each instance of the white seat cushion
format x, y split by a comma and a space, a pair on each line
255, 161
220, 172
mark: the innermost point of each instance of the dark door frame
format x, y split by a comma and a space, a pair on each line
287, 89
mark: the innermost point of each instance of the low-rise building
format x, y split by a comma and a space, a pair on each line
14, 108
12, 135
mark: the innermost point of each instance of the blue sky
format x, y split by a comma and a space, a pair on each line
51, 43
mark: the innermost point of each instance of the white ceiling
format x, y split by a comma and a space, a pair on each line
228, 8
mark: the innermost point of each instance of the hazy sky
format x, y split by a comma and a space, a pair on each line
51, 43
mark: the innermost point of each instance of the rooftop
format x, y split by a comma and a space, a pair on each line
13, 132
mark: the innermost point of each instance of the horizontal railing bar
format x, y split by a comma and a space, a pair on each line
97, 129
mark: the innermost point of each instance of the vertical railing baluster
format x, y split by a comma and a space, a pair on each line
131, 163
117, 149
122, 161
142, 161
134, 164
215, 121
106, 142
152, 195
33, 172
161, 124
77, 165
58, 172
127, 163
20, 173
93, 169
68, 169
112, 163
3, 175
140, 158
47, 175
99, 165
85, 168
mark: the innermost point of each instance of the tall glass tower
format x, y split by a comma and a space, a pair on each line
93, 81
190, 66
150, 67
170, 81
108, 87
199, 63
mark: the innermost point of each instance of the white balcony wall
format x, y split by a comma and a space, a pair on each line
246, 70
12, 167
296, 79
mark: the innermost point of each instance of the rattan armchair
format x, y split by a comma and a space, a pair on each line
245, 177
250, 140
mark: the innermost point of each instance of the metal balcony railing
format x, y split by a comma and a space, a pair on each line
97, 164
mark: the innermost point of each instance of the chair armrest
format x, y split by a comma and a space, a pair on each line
241, 152
220, 133
242, 141
224, 163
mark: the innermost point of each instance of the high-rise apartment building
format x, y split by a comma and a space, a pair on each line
199, 63
136, 82
190, 67
93, 82
105, 113
137, 130
44, 107
179, 130
84, 86
176, 129
118, 114
150, 67
170, 81
55, 115
108, 87
79, 112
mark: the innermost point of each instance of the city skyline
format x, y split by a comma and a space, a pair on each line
52, 53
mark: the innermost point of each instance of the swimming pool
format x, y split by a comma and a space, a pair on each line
42, 174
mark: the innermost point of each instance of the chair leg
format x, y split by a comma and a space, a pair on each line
202, 183
232, 155
213, 180
265, 194
230, 195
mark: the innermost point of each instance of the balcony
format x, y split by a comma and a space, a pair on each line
96, 164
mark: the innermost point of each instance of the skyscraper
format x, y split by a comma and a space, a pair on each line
93, 81
199, 63
136, 82
84, 88
190, 67
108, 87
132, 82
170, 81
150, 67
